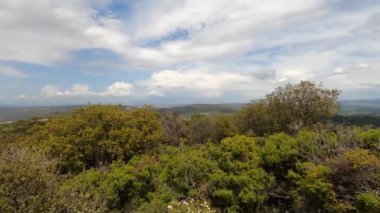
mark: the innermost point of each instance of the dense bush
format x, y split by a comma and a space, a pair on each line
28, 182
96, 135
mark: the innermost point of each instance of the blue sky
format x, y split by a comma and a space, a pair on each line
184, 51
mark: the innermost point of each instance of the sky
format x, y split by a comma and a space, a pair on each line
167, 52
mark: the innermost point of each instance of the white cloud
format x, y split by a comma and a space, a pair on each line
12, 72
79, 90
50, 91
203, 83
363, 65
119, 89
304, 66
76, 90
217, 30
45, 31
338, 71
199, 16
20, 97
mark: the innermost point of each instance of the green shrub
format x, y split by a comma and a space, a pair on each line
368, 202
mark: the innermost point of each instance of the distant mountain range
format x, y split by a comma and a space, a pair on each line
360, 107
7, 114
202, 108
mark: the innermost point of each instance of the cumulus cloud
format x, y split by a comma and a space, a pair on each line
119, 89
44, 31
204, 84
75, 90
12, 72
116, 89
50, 91
304, 66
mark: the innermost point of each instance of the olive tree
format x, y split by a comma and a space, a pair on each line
295, 106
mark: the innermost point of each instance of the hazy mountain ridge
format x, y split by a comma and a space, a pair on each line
351, 107
8, 114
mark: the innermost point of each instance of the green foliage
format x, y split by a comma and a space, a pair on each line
223, 127
295, 106
312, 190
174, 128
279, 153
289, 109
187, 172
361, 159
11, 134
317, 146
19, 128
123, 187
83, 193
255, 119
94, 136
371, 139
354, 171
368, 202
199, 129
240, 181
28, 182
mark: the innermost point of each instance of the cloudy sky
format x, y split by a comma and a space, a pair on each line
184, 51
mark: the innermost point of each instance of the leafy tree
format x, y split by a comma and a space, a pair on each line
295, 106
96, 135
255, 119
199, 129
223, 127
289, 109
174, 128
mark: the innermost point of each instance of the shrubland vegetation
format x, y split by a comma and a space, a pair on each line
278, 154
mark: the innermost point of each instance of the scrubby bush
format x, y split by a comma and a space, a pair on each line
95, 136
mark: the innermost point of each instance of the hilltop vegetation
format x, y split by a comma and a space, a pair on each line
278, 154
